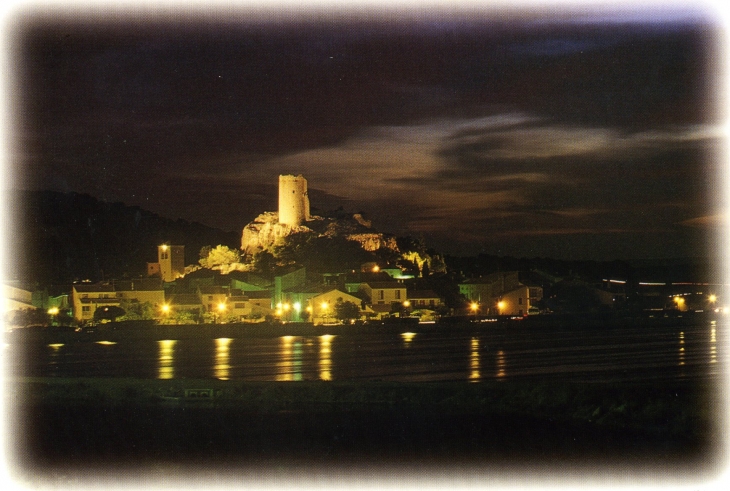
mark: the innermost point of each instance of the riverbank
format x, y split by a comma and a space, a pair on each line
77, 424
130, 330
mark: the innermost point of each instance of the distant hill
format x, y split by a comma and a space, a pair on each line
61, 237
658, 270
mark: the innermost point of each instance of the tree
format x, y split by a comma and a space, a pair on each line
135, 311
264, 262
205, 252
220, 256
110, 313
186, 317
346, 310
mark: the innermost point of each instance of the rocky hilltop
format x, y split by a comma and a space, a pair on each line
265, 231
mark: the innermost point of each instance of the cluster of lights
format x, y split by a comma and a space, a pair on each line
680, 301
285, 307
474, 306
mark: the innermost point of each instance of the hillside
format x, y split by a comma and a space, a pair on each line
58, 237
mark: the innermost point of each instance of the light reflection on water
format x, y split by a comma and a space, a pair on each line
325, 357
681, 348
290, 355
474, 376
619, 354
55, 352
166, 361
222, 365
501, 364
407, 338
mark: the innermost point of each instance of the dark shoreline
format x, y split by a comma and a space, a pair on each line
129, 330
76, 424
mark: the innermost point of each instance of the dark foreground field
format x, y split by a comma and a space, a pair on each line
62, 427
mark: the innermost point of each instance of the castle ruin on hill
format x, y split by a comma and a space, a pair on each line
294, 217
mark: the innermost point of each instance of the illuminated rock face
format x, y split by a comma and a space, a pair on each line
270, 227
265, 231
293, 200
374, 241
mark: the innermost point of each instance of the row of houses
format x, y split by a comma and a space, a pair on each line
501, 293
248, 298
169, 294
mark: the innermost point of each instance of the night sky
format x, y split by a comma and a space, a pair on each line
569, 134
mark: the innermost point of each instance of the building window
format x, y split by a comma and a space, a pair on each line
519, 300
85, 308
238, 305
381, 294
397, 294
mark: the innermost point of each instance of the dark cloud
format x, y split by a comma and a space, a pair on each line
483, 132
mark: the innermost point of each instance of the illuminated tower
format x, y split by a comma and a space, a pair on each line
293, 200
172, 261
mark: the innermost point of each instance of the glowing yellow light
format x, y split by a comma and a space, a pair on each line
286, 307
712, 298
309, 309
376, 268
165, 308
106, 343
324, 305
164, 247
408, 337
278, 305
474, 306
53, 310
297, 306
221, 307
165, 360
501, 305
222, 357
325, 357
406, 303
475, 375
501, 364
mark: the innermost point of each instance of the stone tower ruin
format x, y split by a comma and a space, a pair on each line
293, 200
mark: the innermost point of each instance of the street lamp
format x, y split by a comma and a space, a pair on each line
500, 306
474, 308
221, 308
406, 304
324, 306
680, 302
53, 312
165, 308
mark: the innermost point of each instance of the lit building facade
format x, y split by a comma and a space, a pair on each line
88, 297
